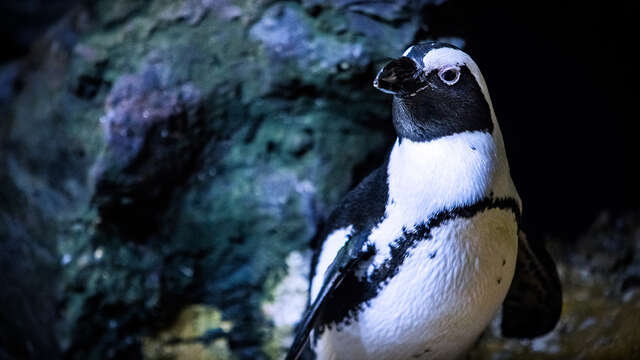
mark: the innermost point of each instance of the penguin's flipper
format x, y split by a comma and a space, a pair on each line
346, 262
534, 301
362, 208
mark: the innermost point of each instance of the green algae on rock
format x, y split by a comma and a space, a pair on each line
229, 129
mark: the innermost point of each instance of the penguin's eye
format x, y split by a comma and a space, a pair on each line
449, 75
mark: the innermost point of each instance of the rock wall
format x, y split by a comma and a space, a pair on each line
162, 155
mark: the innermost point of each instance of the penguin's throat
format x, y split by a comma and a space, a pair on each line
455, 170
428, 178
424, 119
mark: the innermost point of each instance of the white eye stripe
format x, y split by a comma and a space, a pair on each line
444, 57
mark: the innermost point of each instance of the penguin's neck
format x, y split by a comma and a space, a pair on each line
450, 171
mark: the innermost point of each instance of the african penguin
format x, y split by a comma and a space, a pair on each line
420, 256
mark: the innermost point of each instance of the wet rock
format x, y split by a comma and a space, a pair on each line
35, 193
117, 11
23, 22
389, 11
192, 11
288, 302
27, 275
8, 75
180, 154
393, 39
153, 133
198, 333
290, 39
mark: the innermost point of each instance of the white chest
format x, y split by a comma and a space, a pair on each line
450, 286
425, 178
443, 296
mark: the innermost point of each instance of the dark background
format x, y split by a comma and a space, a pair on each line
561, 77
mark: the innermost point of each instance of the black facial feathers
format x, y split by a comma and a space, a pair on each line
442, 109
427, 106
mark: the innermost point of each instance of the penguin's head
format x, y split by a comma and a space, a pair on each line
438, 90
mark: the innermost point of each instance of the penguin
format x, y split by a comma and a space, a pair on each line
419, 257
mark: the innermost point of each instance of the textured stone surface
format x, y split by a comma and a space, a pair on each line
158, 155
154, 131
196, 334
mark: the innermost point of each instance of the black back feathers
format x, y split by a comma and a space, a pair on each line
534, 301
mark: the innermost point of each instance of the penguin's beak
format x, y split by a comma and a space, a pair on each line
399, 77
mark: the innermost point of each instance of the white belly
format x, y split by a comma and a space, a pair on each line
443, 296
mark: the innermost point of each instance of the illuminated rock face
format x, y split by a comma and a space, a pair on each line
197, 333
159, 154
154, 131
